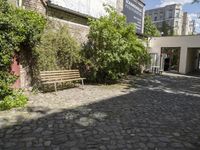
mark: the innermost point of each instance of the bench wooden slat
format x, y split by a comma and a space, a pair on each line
61, 70
60, 81
58, 73
58, 76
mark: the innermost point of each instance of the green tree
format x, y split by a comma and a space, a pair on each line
113, 48
149, 27
57, 49
166, 30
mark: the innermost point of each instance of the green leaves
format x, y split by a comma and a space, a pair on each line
113, 47
18, 27
57, 49
149, 28
16, 99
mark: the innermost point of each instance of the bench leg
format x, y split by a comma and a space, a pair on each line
55, 87
82, 83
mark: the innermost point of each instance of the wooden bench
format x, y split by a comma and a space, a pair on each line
60, 76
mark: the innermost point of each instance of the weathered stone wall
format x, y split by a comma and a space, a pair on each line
78, 25
78, 31
37, 5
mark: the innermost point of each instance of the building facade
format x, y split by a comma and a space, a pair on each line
188, 26
185, 25
172, 15
192, 28
178, 22
75, 13
174, 54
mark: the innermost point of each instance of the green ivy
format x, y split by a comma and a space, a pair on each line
19, 30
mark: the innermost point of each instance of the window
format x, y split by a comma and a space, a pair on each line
176, 24
155, 18
177, 13
170, 14
161, 15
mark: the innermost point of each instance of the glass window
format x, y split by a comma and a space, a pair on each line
170, 13
177, 15
176, 23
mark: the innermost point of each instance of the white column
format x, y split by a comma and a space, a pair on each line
183, 60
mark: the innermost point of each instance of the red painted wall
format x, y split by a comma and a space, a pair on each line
15, 68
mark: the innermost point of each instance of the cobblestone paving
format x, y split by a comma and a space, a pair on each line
161, 113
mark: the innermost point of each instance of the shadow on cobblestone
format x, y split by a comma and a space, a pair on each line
183, 85
145, 119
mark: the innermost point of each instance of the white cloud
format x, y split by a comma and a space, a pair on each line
169, 2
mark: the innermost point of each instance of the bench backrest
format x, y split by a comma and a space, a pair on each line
59, 75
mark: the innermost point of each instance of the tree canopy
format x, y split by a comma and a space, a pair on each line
113, 47
149, 27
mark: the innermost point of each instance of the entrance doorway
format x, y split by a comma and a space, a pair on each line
193, 60
198, 66
170, 59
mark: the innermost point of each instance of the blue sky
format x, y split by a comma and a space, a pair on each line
193, 9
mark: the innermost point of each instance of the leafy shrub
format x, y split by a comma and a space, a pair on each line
17, 99
57, 49
6, 79
20, 30
112, 49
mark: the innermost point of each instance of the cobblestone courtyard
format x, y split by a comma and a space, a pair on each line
151, 113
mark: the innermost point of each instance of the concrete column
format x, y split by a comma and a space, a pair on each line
183, 60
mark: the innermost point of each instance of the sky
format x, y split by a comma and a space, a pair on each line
192, 9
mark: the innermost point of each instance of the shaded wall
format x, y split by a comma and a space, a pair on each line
191, 60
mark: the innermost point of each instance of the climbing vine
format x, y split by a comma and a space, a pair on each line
19, 30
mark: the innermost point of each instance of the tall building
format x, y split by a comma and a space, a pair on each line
192, 25
188, 26
168, 18
185, 25
134, 11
